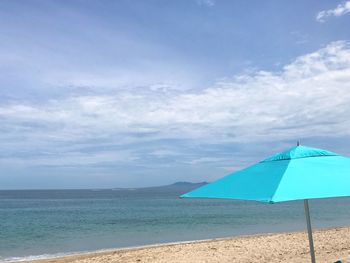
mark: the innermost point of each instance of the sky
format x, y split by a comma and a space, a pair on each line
104, 94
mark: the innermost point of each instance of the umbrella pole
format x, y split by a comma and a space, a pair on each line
309, 231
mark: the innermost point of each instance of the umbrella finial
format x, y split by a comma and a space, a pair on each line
298, 142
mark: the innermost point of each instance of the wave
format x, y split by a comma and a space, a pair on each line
36, 257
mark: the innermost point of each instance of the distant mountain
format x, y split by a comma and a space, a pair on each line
186, 184
180, 186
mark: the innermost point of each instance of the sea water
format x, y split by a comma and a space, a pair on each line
44, 223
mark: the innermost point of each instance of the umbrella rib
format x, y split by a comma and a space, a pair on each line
279, 183
290, 158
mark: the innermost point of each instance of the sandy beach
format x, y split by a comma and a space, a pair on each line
330, 244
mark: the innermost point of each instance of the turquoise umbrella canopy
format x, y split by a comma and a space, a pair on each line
300, 173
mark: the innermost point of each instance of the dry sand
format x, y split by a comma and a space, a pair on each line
330, 244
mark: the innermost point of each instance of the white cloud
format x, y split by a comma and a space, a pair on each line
70, 159
340, 10
205, 160
208, 3
161, 153
308, 97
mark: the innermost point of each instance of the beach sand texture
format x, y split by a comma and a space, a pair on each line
330, 244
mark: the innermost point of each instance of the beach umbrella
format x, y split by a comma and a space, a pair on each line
299, 173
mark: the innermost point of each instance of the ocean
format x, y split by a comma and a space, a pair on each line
45, 223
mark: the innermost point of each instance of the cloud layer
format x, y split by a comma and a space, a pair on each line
340, 10
308, 97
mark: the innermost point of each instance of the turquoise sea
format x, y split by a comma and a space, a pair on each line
43, 223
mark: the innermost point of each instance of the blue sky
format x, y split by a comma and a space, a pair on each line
97, 94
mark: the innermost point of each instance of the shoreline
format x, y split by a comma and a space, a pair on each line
62, 255
330, 243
